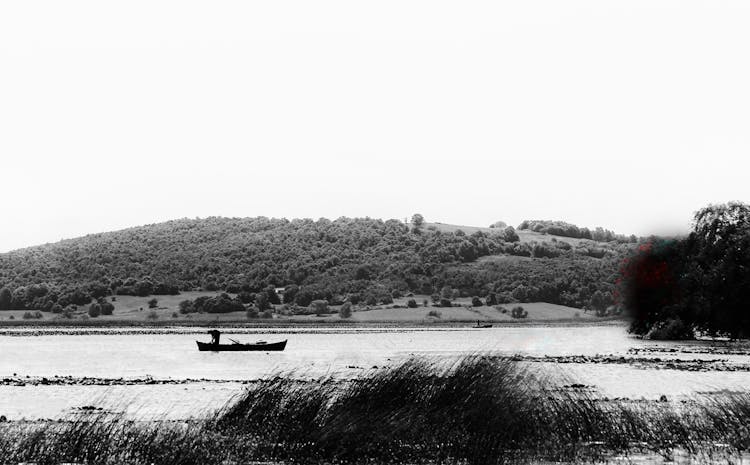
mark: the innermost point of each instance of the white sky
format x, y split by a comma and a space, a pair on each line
630, 115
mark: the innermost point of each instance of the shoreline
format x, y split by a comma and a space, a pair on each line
306, 323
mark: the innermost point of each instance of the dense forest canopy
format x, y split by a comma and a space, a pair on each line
320, 259
699, 283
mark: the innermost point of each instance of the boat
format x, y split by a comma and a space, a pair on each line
260, 346
483, 326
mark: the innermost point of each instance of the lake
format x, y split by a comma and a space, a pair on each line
148, 373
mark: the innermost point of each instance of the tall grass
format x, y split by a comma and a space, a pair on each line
477, 410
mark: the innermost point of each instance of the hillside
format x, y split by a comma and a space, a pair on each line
349, 258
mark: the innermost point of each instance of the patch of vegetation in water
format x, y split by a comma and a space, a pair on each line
478, 410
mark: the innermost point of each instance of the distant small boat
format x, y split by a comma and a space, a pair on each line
261, 346
483, 326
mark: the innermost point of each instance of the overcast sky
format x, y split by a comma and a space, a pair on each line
630, 115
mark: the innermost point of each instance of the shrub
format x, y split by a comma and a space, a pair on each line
95, 310
476, 302
32, 316
519, 312
411, 303
57, 308
175, 315
425, 302
319, 307
152, 315
434, 313
345, 311
673, 329
187, 306
107, 308
11, 317
445, 302
153, 303
252, 313
267, 314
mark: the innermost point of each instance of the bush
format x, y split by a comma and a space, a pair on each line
445, 302
519, 312
187, 306
319, 307
476, 302
673, 329
95, 310
57, 308
434, 313
267, 314
411, 303
32, 316
345, 311
153, 303
152, 315
106, 307
252, 313
175, 315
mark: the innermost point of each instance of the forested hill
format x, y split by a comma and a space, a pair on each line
316, 259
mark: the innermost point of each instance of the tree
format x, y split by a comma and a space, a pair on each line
153, 303
6, 297
345, 311
476, 301
106, 307
417, 220
261, 301
319, 307
518, 312
186, 306
411, 303
95, 310
701, 282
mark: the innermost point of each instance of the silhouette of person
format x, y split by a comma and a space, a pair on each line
215, 335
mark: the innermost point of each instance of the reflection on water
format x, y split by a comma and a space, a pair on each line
315, 352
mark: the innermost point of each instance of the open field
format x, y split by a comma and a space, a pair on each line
524, 235
477, 410
136, 309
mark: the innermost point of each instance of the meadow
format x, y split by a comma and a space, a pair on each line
129, 309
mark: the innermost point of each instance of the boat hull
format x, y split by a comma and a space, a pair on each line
207, 347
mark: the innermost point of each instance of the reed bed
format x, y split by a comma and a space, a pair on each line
478, 410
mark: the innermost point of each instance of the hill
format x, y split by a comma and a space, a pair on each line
346, 259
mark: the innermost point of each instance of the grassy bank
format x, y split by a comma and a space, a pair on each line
479, 410
131, 310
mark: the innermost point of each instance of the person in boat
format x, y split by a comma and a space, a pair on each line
215, 335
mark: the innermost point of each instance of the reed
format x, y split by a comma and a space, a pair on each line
478, 410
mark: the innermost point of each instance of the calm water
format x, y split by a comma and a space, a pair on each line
213, 378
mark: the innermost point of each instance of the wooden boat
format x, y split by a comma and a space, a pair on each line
483, 326
260, 346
